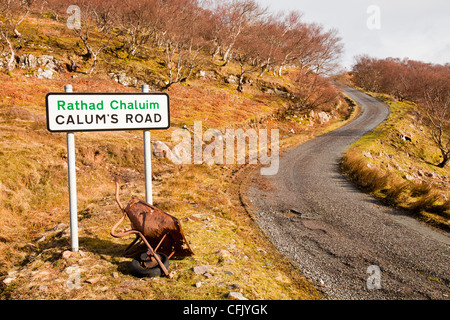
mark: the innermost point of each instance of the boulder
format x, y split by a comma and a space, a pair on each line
48, 66
27, 61
160, 149
122, 78
367, 154
323, 117
206, 75
178, 155
236, 296
202, 270
44, 73
232, 79
49, 62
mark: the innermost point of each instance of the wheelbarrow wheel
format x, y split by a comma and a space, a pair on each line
138, 268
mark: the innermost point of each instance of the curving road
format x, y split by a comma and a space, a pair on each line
333, 232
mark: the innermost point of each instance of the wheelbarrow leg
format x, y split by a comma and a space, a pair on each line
162, 239
135, 242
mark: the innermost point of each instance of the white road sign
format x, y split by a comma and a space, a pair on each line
70, 112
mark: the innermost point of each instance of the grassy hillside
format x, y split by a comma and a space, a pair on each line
402, 173
34, 215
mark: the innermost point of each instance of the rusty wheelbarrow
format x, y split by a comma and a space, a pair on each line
158, 230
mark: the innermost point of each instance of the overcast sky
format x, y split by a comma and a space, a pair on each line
417, 29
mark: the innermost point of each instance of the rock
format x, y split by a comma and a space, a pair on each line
234, 286
232, 79
261, 251
66, 254
59, 227
323, 117
48, 66
282, 93
41, 239
160, 149
198, 284
47, 61
27, 61
367, 154
204, 75
236, 296
93, 280
202, 269
230, 273
195, 217
30, 246
123, 79
8, 280
44, 73
115, 275
223, 253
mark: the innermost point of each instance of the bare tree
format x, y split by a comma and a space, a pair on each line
252, 51
138, 21
436, 108
328, 49
294, 43
97, 26
312, 91
12, 14
180, 39
271, 33
233, 17
366, 73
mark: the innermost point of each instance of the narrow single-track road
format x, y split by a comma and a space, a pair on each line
336, 234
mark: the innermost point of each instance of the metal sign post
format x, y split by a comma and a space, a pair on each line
147, 160
73, 112
72, 185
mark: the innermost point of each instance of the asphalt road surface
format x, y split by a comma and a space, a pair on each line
345, 241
